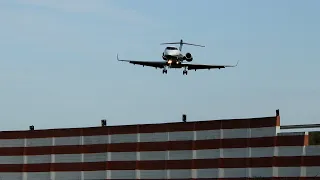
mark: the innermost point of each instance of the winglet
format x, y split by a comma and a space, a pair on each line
233, 65
236, 64
121, 59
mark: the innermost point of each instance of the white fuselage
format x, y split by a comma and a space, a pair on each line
172, 54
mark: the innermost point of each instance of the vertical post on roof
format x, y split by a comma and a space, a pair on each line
103, 122
31, 128
184, 118
277, 112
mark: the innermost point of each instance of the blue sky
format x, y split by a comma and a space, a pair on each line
58, 63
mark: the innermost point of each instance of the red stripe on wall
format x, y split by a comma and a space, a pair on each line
162, 164
145, 128
156, 146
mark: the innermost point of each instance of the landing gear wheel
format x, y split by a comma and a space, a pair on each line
164, 71
185, 72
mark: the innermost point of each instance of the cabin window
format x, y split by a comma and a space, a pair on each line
171, 48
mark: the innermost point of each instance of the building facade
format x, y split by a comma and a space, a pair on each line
224, 149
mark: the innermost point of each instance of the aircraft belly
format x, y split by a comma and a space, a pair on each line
175, 66
171, 57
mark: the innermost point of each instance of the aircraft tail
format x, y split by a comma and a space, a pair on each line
181, 43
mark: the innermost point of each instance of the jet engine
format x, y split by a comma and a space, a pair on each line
188, 57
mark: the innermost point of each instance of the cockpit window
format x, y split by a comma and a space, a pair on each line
171, 48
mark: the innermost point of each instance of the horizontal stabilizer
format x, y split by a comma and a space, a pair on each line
181, 42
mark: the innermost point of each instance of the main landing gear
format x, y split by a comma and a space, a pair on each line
165, 71
185, 72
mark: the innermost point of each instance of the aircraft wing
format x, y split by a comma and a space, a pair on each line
156, 64
205, 66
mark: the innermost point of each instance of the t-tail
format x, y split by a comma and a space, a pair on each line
181, 43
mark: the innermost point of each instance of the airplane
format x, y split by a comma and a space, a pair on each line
174, 58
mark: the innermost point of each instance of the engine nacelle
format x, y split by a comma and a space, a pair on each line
188, 57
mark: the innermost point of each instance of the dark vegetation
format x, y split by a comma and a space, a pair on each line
314, 138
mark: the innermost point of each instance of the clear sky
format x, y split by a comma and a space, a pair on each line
58, 64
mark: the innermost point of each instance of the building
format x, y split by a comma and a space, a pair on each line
223, 149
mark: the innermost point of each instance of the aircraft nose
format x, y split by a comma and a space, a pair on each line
171, 53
